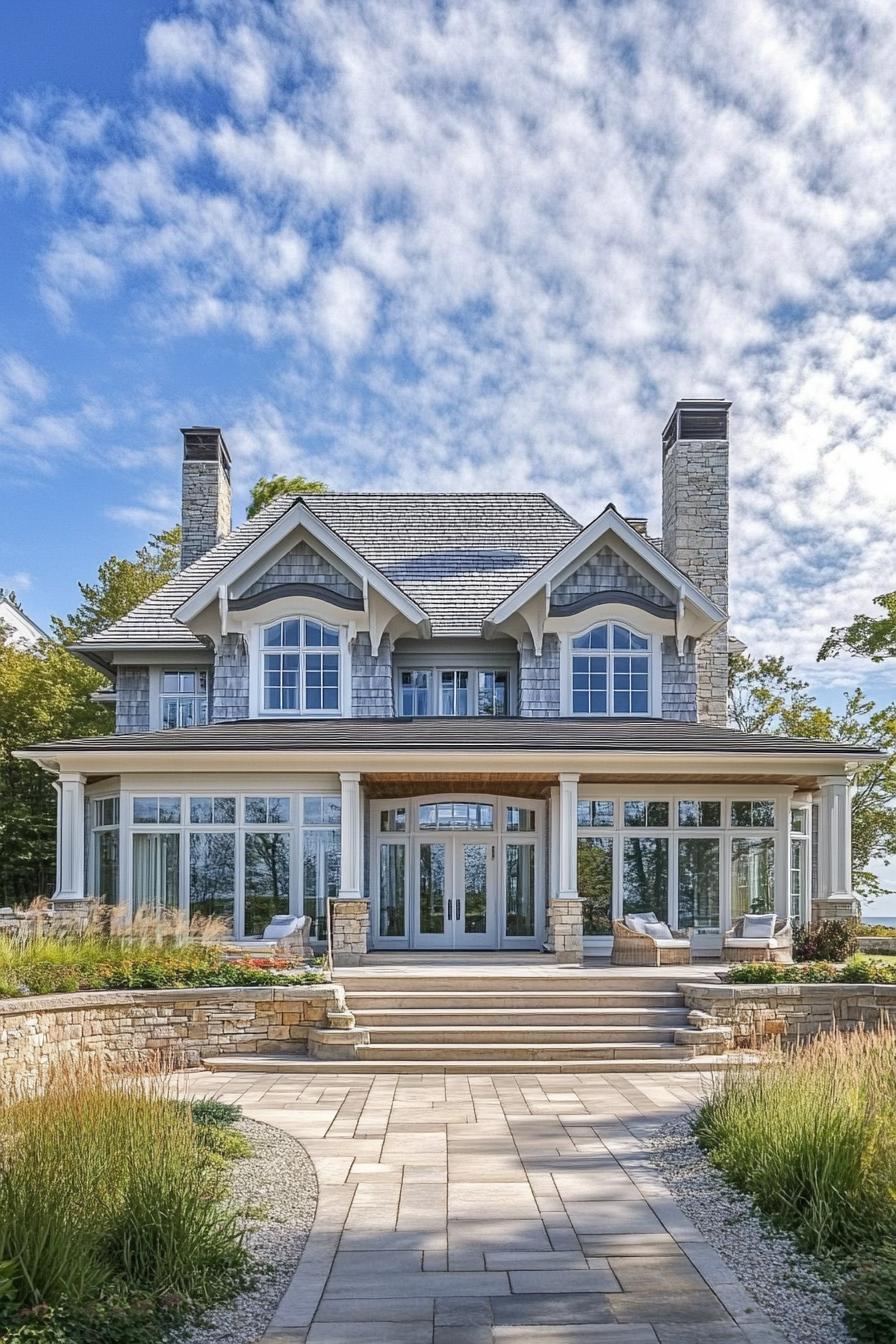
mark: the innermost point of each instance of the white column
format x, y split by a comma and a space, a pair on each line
835, 838
350, 867
567, 839
69, 837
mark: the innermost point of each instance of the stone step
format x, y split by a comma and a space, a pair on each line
363, 999
536, 1049
355, 1068
523, 1034
558, 981
513, 1017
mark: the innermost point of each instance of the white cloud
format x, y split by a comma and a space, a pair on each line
155, 512
489, 246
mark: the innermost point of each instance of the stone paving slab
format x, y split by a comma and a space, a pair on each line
493, 1209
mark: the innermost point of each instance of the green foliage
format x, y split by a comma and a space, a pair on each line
831, 940
268, 488
857, 971
210, 1111
870, 1298
63, 965
765, 697
871, 637
813, 1141
112, 1222
120, 585
877, 931
221, 1145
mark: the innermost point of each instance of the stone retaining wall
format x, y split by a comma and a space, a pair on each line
880, 946
754, 1013
133, 1028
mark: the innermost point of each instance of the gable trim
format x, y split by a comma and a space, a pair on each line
297, 516
278, 590
614, 596
608, 523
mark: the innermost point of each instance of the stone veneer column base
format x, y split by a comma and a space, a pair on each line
349, 924
566, 931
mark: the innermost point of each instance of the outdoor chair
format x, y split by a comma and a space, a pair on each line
643, 940
759, 938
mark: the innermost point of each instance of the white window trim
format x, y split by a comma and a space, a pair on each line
655, 671
256, 672
156, 694
475, 670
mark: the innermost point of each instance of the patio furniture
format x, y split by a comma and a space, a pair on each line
759, 938
641, 940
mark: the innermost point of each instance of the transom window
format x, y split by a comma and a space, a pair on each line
610, 671
300, 667
453, 691
184, 698
457, 816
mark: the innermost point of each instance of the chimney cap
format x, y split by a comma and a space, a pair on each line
697, 418
205, 443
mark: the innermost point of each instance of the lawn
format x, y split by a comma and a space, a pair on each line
813, 1142
115, 1221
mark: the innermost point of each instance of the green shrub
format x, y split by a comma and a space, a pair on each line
107, 1204
870, 1298
858, 970
877, 931
222, 1146
813, 1140
210, 1111
831, 940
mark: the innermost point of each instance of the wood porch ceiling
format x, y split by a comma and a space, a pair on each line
381, 785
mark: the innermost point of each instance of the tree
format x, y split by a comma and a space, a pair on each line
764, 696
45, 695
267, 488
120, 585
871, 637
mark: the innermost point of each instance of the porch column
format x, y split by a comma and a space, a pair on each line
566, 908
835, 899
350, 915
69, 837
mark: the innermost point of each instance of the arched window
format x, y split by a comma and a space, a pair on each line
300, 667
611, 671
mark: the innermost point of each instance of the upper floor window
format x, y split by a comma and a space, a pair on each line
300, 667
183, 701
610, 671
454, 691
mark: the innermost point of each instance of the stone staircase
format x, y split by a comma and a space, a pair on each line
586, 1022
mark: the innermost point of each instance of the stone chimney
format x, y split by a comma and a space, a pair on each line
695, 529
206, 496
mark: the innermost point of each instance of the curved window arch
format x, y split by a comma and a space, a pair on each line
611, 670
300, 667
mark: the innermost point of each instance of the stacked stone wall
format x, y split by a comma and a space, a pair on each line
205, 509
755, 1013
128, 1030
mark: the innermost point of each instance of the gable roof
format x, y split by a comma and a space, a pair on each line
454, 555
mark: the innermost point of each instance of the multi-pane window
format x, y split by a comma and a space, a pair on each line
457, 816
611, 671
300, 667
753, 814
105, 850
453, 691
184, 698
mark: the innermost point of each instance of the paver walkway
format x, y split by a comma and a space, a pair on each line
493, 1210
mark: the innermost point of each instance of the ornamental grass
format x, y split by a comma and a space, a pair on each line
813, 1140
112, 1218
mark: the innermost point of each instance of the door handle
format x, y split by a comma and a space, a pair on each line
457, 915
450, 916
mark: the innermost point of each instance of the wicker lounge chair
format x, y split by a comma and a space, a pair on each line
631, 948
779, 947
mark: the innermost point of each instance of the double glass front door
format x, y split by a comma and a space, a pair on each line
455, 888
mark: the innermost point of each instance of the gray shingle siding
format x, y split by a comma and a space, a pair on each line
540, 679
371, 680
132, 700
230, 680
679, 681
602, 572
303, 565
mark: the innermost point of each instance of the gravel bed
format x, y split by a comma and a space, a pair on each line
783, 1279
279, 1179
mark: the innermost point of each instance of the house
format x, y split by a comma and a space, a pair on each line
474, 721
16, 628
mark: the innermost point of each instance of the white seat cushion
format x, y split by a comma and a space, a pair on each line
658, 931
637, 922
672, 942
751, 942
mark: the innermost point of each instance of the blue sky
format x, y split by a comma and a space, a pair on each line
410, 245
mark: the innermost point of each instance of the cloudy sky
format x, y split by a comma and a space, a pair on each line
455, 245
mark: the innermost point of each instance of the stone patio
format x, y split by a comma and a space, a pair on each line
477, 1210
